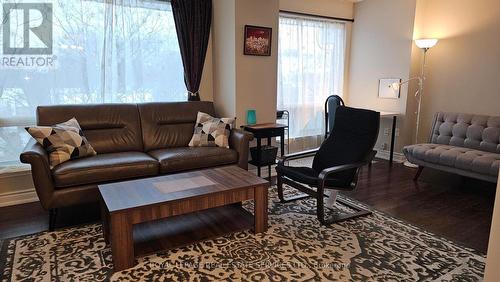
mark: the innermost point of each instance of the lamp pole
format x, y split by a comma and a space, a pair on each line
425, 45
419, 93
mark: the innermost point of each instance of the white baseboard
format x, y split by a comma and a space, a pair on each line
18, 197
385, 155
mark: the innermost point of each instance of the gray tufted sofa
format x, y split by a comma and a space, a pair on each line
464, 144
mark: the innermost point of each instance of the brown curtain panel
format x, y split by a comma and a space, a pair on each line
192, 22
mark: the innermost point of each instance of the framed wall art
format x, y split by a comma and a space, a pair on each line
257, 40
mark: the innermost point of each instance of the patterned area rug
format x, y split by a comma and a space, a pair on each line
296, 247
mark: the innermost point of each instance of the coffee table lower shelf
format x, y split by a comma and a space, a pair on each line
182, 230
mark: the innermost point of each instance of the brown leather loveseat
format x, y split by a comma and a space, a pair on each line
131, 141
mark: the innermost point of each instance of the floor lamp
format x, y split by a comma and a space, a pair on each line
425, 45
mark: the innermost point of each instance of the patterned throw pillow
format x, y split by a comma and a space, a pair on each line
63, 141
211, 132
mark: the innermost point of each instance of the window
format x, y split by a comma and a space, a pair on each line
310, 68
103, 52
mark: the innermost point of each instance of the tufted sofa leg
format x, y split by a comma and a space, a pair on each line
419, 171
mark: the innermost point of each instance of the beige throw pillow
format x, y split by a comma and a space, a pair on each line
210, 131
64, 141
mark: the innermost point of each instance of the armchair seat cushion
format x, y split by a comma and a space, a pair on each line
104, 168
309, 176
186, 158
481, 162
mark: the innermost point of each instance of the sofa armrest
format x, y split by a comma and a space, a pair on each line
37, 157
239, 140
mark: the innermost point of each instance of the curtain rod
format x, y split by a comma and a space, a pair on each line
316, 16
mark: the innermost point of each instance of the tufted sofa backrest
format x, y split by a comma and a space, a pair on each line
466, 130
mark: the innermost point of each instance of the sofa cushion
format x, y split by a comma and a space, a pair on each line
63, 141
211, 132
104, 168
456, 157
166, 125
185, 158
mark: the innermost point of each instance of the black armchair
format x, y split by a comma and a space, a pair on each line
336, 163
331, 105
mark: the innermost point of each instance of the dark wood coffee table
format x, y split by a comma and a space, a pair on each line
197, 197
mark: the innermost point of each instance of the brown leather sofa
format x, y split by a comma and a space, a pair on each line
132, 141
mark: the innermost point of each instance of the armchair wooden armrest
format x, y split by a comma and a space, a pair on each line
327, 171
299, 155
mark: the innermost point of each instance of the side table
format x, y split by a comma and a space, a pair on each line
267, 131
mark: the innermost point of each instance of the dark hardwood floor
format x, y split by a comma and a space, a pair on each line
451, 206
448, 205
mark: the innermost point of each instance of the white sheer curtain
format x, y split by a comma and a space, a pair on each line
310, 68
141, 59
106, 51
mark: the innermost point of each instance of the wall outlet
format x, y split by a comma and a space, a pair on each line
387, 131
397, 131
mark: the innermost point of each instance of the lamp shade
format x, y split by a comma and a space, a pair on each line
426, 43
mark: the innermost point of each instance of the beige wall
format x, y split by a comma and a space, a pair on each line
224, 64
244, 82
416, 59
206, 85
381, 48
256, 76
492, 271
463, 69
